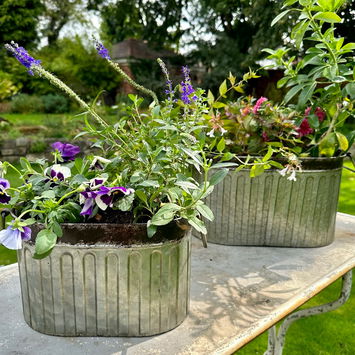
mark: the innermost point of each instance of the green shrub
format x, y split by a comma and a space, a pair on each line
38, 146
23, 103
55, 103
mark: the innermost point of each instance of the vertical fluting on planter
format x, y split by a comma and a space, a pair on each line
104, 290
269, 210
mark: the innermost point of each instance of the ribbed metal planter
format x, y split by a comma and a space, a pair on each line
269, 210
105, 289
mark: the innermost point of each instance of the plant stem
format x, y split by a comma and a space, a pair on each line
132, 82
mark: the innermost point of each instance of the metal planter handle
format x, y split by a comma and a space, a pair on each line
352, 160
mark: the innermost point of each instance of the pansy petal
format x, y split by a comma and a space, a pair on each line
103, 201
11, 238
26, 234
88, 207
4, 198
4, 184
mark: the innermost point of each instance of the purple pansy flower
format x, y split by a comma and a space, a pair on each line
103, 197
22, 56
58, 172
12, 238
101, 50
4, 185
68, 151
106, 195
186, 87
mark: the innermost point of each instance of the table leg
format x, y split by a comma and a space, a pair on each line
276, 340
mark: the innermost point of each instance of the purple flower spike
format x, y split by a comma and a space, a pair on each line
186, 88
101, 50
4, 197
22, 56
12, 238
67, 151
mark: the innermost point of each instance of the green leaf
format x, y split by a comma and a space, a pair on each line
350, 90
327, 16
125, 203
151, 229
306, 94
279, 17
45, 241
218, 105
282, 82
149, 183
288, 3
165, 214
291, 93
298, 32
141, 195
205, 211
197, 224
218, 176
186, 184
343, 141
210, 97
256, 170
348, 46
269, 153
223, 88
224, 165
50, 194
327, 145
221, 145
276, 164
55, 226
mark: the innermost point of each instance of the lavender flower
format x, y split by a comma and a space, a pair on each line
22, 56
101, 50
12, 237
186, 88
4, 197
169, 90
66, 150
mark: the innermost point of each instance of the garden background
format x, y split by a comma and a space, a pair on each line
212, 36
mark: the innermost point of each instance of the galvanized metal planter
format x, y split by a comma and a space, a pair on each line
106, 289
269, 210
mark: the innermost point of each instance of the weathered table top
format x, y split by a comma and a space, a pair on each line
236, 294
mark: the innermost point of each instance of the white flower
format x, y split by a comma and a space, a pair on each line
292, 177
223, 131
283, 171
211, 133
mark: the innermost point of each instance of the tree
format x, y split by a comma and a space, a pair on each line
157, 21
18, 21
238, 30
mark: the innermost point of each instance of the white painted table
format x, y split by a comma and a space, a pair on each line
236, 294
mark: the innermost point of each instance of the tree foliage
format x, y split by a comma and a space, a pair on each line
18, 21
158, 22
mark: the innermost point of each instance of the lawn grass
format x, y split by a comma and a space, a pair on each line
327, 334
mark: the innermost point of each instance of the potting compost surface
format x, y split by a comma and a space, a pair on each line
236, 294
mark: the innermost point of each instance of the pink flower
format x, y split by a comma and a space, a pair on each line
258, 104
304, 129
245, 111
318, 112
265, 137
